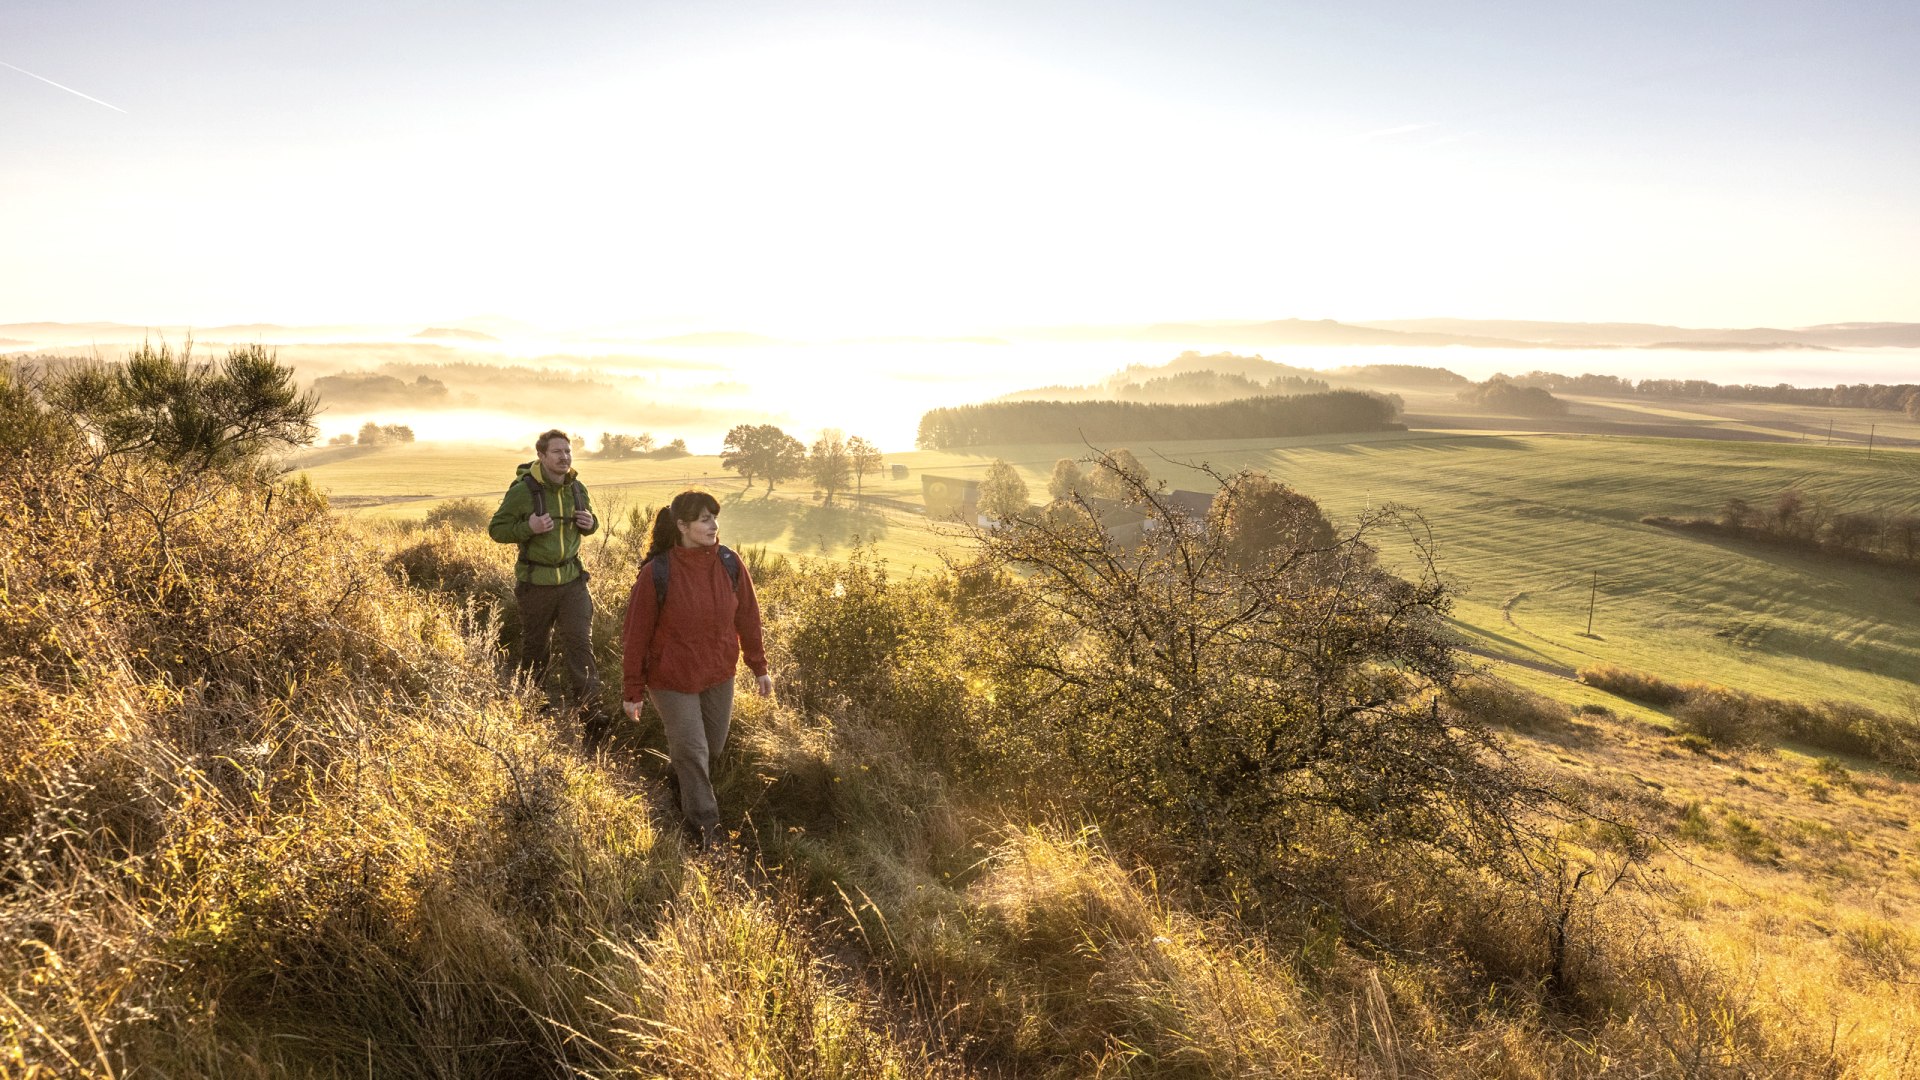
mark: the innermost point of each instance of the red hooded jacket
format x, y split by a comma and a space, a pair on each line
695, 641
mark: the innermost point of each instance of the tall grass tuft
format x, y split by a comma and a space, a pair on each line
728, 986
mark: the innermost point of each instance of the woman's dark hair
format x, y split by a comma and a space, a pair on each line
686, 506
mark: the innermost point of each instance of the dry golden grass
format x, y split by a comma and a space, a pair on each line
1795, 876
268, 811
727, 985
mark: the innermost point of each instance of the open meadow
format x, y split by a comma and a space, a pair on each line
1530, 528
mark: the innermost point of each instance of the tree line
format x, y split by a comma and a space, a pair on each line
1809, 522
1211, 386
1114, 421
615, 446
375, 434
1504, 395
1898, 397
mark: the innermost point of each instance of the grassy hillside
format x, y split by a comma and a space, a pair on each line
270, 811
1521, 524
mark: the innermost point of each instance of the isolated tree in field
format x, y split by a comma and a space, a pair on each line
371, 435
761, 450
1003, 495
786, 458
1119, 477
1244, 714
742, 452
1260, 518
828, 463
1066, 480
864, 457
196, 414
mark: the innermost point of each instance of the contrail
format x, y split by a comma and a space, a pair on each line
68, 89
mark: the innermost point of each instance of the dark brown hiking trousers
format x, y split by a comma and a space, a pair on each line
569, 609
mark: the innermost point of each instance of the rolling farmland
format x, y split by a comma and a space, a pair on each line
1522, 524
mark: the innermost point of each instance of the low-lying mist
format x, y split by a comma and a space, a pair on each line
502, 393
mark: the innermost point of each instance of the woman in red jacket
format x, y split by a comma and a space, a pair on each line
691, 614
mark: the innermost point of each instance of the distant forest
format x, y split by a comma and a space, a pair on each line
459, 386
1901, 397
1400, 375
1116, 421
1184, 388
1198, 387
1503, 395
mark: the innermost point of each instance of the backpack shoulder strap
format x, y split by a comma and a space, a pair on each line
732, 562
539, 493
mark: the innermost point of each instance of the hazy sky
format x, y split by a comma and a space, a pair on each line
847, 167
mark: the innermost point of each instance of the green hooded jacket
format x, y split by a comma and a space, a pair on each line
551, 558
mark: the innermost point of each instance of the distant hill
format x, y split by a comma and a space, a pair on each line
1252, 367
49, 333
1900, 335
1396, 375
88, 333
1600, 335
1739, 346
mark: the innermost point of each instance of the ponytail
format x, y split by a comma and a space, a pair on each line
665, 534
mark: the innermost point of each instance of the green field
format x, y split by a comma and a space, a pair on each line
1521, 524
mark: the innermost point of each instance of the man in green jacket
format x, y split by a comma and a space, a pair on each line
546, 512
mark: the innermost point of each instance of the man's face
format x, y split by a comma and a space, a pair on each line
557, 459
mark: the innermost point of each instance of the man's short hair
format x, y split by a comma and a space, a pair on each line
540, 444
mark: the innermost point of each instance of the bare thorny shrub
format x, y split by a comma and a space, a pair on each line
1246, 705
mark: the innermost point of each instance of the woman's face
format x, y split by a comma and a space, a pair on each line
702, 532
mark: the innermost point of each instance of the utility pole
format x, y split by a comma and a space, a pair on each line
1592, 594
1829, 431
1870, 430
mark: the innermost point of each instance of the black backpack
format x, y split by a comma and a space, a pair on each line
539, 495
659, 563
